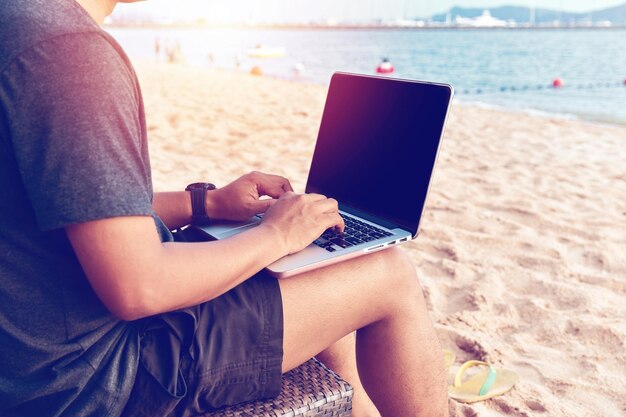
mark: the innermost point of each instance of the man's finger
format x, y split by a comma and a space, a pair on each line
334, 220
286, 186
261, 206
273, 185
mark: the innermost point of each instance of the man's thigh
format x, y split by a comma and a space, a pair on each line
322, 306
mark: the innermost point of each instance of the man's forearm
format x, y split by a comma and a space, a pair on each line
174, 208
207, 270
139, 276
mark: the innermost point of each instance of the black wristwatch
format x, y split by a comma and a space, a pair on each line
197, 191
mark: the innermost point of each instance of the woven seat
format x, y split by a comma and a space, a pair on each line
309, 390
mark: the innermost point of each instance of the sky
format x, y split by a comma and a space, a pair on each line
308, 10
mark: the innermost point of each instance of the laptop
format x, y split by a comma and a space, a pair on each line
375, 153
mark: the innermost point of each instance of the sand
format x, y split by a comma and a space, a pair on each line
522, 252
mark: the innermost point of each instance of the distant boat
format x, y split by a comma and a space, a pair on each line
484, 21
263, 51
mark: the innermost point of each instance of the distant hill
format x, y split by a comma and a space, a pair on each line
615, 15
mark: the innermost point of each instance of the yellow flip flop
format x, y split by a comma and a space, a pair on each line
448, 358
488, 383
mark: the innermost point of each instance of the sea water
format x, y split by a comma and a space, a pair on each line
513, 69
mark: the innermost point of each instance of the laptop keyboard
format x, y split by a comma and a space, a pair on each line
356, 232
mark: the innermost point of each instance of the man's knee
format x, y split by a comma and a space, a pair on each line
398, 279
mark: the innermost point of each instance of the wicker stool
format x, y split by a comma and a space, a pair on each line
309, 390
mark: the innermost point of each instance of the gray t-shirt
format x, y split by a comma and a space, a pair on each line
73, 149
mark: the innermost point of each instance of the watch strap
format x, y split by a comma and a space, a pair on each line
198, 191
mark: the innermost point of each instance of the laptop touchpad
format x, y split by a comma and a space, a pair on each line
222, 230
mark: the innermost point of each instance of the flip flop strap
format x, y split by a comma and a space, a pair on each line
491, 376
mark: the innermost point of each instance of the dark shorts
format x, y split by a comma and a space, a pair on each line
223, 352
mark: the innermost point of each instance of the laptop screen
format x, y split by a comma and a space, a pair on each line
377, 145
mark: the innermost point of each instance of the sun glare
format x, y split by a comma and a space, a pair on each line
216, 11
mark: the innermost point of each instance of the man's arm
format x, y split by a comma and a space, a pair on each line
174, 208
135, 275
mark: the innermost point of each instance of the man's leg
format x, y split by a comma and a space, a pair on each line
341, 358
398, 355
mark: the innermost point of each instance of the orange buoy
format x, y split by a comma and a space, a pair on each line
624, 81
385, 67
558, 83
256, 70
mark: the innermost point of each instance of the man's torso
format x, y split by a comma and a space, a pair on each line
61, 351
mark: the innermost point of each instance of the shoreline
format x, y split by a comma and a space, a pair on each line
547, 115
593, 90
458, 98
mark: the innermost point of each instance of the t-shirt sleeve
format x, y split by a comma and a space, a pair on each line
76, 131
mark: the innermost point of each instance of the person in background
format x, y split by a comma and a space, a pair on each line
102, 313
157, 49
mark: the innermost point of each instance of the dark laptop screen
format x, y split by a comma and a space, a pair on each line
377, 145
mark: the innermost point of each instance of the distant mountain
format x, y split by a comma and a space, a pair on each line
615, 15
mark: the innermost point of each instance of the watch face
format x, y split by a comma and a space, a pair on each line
200, 186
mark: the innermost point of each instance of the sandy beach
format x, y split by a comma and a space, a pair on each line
522, 252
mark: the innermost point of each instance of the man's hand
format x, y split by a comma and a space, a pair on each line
300, 219
241, 199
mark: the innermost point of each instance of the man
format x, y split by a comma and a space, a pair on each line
102, 314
